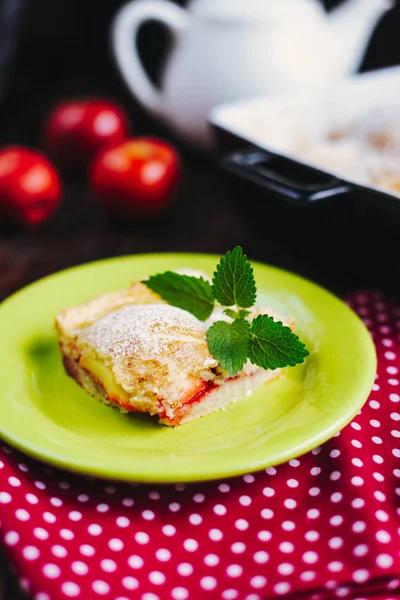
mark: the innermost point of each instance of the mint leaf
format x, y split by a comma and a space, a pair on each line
229, 343
273, 345
193, 294
233, 281
237, 314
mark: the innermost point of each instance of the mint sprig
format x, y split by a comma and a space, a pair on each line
265, 342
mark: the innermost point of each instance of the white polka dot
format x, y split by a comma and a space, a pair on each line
141, 537
224, 487
261, 557
335, 475
14, 481
79, 567
310, 557
248, 478
42, 596
163, 554
380, 496
169, 530
64, 485
335, 566
392, 370
374, 404
238, 547
258, 581
312, 536
70, 589
395, 416
185, 569
376, 439
174, 506
115, 544
360, 576
195, 519
179, 593
313, 513
271, 471
394, 397
128, 502
268, 491
292, 483
230, 594
156, 577
51, 571
242, 524
215, 535
11, 538
290, 503
360, 550
393, 584
22, 514
190, 545
315, 471
102, 508
285, 569
31, 498
264, 536
267, 513
294, 462
123, 522
66, 534
396, 452
136, 562
49, 517
87, 550
336, 497
375, 423
54, 501
357, 480
288, 525
30, 553
307, 576
130, 583
335, 543
334, 453
393, 381
395, 433
59, 551
150, 596
83, 497
108, 565
179, 487
358, 527
381, 515
336, 520
383, 537
385, 561
357, 503
100, 587
148, 515
282, 588
234, 571
211, 560
95, 529
356, 444
208, 583
219, 509
286, 547
378, 476
355, 426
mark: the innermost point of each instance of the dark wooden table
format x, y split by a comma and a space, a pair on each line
205, 218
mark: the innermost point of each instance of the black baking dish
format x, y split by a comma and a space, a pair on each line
314, 212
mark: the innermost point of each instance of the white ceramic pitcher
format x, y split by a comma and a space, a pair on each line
224, 50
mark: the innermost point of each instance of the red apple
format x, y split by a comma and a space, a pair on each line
137, 178
30, 187
75, 131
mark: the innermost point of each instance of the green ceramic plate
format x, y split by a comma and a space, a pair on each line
46, 414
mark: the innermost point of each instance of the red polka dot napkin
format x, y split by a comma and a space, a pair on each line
326, 525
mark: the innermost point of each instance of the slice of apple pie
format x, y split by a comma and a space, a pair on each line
135, 352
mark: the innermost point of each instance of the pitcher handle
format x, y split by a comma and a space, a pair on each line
125, 28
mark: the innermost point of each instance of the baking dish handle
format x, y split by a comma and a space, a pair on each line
298, 183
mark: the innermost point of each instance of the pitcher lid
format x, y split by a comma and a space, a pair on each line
253, 9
